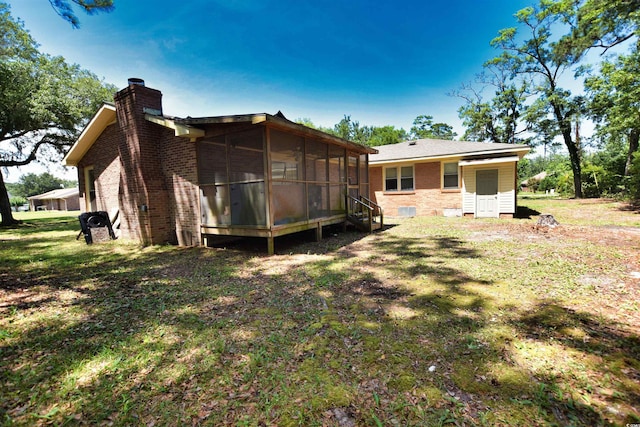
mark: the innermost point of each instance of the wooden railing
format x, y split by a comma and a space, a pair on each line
364, 212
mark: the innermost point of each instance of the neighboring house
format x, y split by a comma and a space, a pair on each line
532, 183
182, 180
64, 199
437, 177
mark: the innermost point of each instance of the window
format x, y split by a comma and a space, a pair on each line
450, 175
398, 178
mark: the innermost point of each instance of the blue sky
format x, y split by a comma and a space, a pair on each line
383, 63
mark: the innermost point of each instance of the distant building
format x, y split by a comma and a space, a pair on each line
64, 199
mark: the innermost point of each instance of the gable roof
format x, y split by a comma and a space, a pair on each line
106, 115
98, 123
61, 193
431, 149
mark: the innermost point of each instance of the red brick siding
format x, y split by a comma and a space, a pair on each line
103, 156
139, 163
143, 193
427, 198
180, 167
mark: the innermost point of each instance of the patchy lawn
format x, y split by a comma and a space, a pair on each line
434, 321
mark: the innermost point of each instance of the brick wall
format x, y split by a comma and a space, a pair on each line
147, 172
180, 167
144, 200
427, 198
103, 157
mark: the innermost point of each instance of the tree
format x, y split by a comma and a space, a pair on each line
352, 131
497, 120
600, 24
32, 184
385, 135
424, 128
614, 102
90, 7
538, 60
44, 102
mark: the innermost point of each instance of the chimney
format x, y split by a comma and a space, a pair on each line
143, 193
135, 81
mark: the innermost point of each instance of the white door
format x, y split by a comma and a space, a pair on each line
487, 193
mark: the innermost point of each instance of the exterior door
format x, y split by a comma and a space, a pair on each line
487, 193
353, 174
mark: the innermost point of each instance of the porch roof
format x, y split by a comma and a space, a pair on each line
277, 120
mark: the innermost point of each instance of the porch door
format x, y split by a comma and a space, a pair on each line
487, 193
353, 174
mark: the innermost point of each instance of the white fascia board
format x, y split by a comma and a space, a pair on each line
494, 160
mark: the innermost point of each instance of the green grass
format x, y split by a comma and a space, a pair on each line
434, 321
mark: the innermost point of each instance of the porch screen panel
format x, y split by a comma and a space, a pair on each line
336, 198
364, 169
246, 156
287, 153
318, 200
215, 205
353, 170
316, 161
248, 203
364, 175
212, 161
337, 170
288, 202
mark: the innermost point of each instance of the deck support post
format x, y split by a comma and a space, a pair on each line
270, 245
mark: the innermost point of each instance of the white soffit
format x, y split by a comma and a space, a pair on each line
481, 162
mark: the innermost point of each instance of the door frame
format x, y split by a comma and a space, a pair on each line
497, 193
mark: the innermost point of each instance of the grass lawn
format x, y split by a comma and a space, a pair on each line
433, 321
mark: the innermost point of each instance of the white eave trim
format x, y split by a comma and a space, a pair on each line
183, 131
481, 162
518, 152
105, 116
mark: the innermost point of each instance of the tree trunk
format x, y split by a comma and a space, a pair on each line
5, 205
634, 136
574, 151
576, 168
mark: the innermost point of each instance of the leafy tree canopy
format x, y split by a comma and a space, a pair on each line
424, 127
90, 7
32, 184
44, 102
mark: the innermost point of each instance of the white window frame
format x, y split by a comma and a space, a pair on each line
444, 174
398, 170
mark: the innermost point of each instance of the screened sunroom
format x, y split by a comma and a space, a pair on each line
265, 176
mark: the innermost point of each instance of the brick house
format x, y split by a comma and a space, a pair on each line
183, 180
62, 199
437, 177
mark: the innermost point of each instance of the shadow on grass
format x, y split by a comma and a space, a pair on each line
117, 335
523, 212
633, 206
617, 351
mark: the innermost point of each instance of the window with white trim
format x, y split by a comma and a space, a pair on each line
450, 178
398, 178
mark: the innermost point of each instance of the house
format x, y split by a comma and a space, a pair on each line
436, 177
64, 199
531, 184
184, 180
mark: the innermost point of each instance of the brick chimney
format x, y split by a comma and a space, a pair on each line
143, 191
